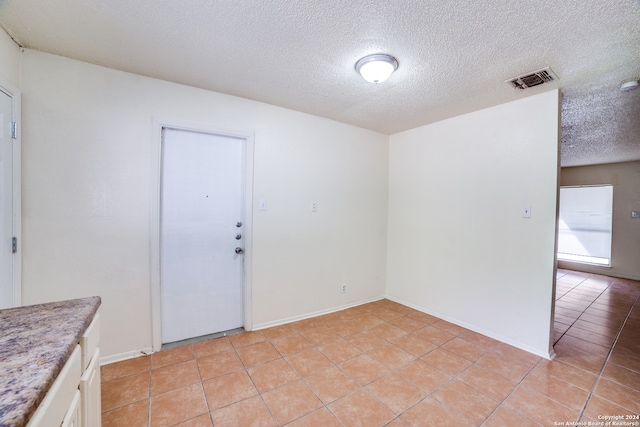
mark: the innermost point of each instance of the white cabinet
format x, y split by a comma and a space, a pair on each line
72, 418
90, 391
74, 397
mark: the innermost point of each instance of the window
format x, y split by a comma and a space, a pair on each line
584, 229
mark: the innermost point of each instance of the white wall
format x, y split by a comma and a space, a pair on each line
9, 60
458, 247
87, 189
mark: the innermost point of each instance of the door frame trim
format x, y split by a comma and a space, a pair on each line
15, 96
154, 234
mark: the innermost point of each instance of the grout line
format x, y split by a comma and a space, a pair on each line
606, 361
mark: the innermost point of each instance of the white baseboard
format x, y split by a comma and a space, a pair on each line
125, 356
547, 355
314, 314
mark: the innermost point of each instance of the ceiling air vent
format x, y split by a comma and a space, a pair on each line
533, 79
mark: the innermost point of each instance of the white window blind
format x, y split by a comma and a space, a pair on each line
585, 224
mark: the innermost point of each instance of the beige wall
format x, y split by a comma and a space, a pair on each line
458, 246
625, 239
9, 60
87, 190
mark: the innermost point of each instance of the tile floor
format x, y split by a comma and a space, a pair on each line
384, 364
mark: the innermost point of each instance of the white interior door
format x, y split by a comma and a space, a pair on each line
6, 202
201, 233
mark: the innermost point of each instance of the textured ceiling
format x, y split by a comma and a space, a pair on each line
454, 56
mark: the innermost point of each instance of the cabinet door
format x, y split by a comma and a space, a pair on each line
90, 391
72, 418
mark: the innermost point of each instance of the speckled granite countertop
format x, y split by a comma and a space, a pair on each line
35, 343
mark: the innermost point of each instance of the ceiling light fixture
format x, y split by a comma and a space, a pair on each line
376, 68
630, 85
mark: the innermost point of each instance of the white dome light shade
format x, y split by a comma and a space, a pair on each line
630, 85
376, 68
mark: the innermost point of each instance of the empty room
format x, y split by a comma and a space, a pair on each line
431, 213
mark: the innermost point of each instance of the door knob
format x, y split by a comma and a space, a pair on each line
239, 224
239, 250
238, 236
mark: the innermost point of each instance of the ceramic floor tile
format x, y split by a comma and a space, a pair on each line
387, 314
591, 337
346, 327
306, 324
407, 323
539, 408
598, 329
584, 346
391, 356
174, 376
514, 353
272, 374
227, 389
331, 384
364, 369
414, 345
291, 344
466, 401
278, 331
446, 361
360, 409
430, 413
308, 362
504, 365
598, 406
569, 373
626, 359
378, 372
622, 376
562, 392
448, 327
434, 335
319, 335
250, 412
114, 371
320, 418
388, 332
566, 353
291, 402
611, 322
177, 406
395, 393
423, 317
487, 382
247, 338
214, 346
621, 395
425, 376
201, 421
339, 350
134, 415
480, 340
368, 321
174, 355
366, 341
125, 390
255, 354
464, 349
503, 416
219, 364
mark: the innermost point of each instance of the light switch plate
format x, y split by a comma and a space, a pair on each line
526, 212
263, 204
